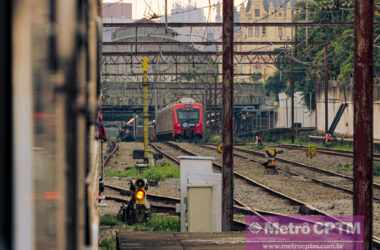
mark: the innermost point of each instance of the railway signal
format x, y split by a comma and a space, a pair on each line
145, 67
311, 150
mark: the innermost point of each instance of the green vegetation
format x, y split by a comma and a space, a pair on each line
109, 220
305, 141
306, 68
344, 168
153, 173
159, 223
215, 139
108, 244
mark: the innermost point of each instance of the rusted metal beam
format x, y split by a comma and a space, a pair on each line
126, 74
363, 116
206, 43
189, 63
241, 24
200, 84
326, 89
184, 53
292, 109
228, 91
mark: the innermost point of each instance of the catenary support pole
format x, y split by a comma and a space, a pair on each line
145, 65
228, 36
326, 88
292, 109
363, 116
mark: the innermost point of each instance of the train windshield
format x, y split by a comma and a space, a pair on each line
188, 115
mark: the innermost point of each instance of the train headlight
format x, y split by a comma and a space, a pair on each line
140, 195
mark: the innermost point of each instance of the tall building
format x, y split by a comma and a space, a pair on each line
115, 12
264, 11
118, 10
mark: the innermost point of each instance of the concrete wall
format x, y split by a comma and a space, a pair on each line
336, 98
117, 10
124, 93
301, 113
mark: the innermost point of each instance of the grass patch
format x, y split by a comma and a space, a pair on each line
344, 147
117, 173
159, 223
215, 139
108, 244
344, 168
153, 173
109, 220
297, 141
331, 145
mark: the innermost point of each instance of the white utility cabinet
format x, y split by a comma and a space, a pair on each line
201, 195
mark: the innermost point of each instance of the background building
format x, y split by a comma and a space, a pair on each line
264, 11
119, 12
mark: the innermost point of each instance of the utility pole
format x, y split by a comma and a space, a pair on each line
307, 19
166, 16
292, 87
145, 65
326, 86
292, 110
363, 116
228, 90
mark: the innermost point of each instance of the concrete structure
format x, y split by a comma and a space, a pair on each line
121, 77
115, 11
123, 93
118, 12
201, 195
302, 114
264, 11
339, 95
182, 241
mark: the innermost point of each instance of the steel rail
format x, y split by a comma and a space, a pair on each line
218, 24
238, 225
126, 74
304, 207
241, 208
321, 170
151, 197
159, 208
109, 155
185, 53
206, 43
346, 190
335, 152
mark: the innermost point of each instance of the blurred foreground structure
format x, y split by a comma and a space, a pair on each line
48, 88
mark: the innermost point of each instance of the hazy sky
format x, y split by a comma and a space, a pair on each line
141, 7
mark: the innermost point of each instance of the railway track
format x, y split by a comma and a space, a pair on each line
340, 181
334, 152
167, 204
113, 150
241, 206
303, 207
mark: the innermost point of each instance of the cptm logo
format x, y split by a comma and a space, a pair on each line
255, 228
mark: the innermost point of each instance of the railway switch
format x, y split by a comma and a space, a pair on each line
271, 164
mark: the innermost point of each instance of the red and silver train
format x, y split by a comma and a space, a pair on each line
180, 120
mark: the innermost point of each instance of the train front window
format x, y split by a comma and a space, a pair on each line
188, 115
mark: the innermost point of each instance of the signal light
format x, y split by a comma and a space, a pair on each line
140, 195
